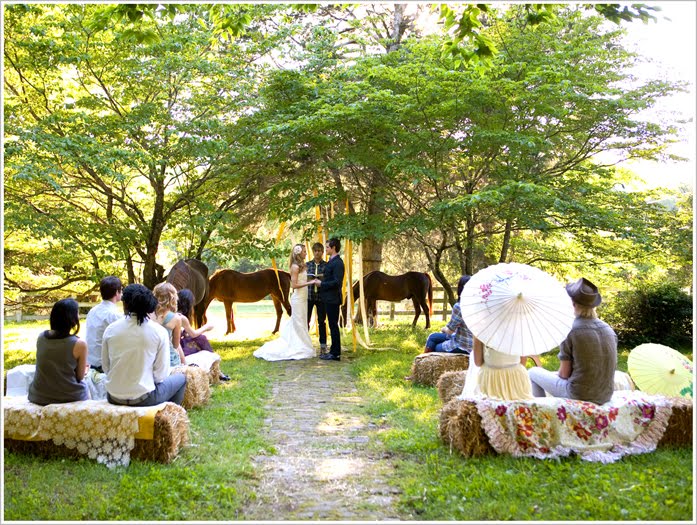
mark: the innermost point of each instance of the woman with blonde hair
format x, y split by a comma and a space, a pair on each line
294, 341
166, 314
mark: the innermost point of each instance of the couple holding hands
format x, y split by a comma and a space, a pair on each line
294, 341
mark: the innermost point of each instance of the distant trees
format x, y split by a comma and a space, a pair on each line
481, 165
129, 132
111, 142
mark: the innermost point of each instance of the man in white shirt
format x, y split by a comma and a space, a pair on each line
101, 316
135, 355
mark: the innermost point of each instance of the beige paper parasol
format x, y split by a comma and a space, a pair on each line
517, 309
658, 369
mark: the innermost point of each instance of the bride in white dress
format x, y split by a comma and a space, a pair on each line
294, 341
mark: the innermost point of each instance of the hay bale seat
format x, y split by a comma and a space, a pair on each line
214, 373
198, 391
460, 427
428, 367
450, 384
170, 435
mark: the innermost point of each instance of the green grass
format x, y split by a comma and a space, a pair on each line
209, 480
213, 479
440, 485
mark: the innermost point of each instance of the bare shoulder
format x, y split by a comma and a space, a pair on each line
80, 346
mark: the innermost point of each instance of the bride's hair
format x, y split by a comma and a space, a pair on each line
296, 258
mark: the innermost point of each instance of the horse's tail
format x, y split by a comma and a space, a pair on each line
430, 295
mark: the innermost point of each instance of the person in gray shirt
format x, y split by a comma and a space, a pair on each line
588, 355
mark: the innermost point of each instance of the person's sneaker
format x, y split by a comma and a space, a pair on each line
330, 357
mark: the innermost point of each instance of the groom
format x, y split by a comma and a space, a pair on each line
330, 295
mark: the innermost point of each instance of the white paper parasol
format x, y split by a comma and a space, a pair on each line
517, 309
658, 369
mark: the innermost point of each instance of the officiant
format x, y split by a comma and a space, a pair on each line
315, 268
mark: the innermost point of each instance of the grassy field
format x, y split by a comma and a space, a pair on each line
213, 478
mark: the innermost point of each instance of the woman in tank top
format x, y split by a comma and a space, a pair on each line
166, 314
61, 359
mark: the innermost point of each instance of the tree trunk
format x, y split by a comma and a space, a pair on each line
434, 263
130, 270
371, 252
506, 244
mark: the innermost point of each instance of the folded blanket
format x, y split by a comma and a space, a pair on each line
98, 429
632, 422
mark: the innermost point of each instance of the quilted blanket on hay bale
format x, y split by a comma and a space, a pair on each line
428, 367
110, 434
667, 422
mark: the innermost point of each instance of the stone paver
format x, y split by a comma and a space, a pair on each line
321, 469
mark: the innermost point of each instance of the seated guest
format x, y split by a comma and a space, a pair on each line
500, 375
135, 355
61, 359
166, 314
194, 342
101, 316
454, 337
588, 355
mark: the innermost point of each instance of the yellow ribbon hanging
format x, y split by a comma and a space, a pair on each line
362, 300
281, 228
349, 267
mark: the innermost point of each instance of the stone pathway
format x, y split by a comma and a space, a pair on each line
322, 468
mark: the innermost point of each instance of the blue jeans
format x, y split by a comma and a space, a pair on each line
435, 341
545, 381
171, 389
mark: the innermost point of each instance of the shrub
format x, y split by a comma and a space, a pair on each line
651, 314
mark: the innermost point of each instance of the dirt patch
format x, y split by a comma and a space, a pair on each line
322, 468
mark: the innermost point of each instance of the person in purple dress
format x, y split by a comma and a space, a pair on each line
193, 341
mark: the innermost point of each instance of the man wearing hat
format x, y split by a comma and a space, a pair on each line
588, 355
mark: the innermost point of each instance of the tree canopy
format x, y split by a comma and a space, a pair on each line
195, 129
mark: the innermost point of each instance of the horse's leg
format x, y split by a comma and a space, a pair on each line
199, 314
417, 311
206, 303
279, 312
374, 310
424, 307
228, 317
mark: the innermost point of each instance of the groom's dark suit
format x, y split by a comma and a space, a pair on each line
330, 295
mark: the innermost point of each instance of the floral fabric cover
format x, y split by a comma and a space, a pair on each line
632, 422
97, 429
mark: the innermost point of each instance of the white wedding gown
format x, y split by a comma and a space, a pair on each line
294, 341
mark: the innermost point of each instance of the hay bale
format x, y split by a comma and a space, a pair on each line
428, 367
460, 427
198, 391
214, 373
450, 384
679, 429
171, 433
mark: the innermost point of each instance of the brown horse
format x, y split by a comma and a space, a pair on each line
230, 286
192, 274
377, 285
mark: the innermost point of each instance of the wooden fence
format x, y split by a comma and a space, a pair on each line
38, 312
441, 306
